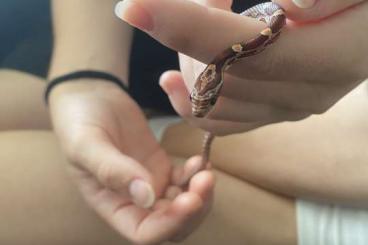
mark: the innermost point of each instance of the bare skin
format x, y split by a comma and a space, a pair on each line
105, 135
41, 201
296, 157
118, 165
254, 171
64, 212
319, 134
290, 81
31, 92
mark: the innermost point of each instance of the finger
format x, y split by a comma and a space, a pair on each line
203, 184
176, 33
143, 226
240, 111
162, 225
173, 84
216, 30
311, 10
314, 98
190, 70
189, 64
186, 172
180, 216
118, 172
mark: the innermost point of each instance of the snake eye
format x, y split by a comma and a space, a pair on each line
213, 101
190, 97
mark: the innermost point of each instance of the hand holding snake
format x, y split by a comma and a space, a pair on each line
209, 83
305, 72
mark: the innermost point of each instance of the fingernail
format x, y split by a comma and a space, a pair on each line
134, 14
162, 84
304, 4
142, 193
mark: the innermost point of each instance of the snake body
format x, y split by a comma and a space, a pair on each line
209, 83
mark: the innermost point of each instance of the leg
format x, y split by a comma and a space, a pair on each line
22, 105
39, 202
245, 214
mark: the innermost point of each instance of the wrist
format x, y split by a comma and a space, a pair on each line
85, 86
91, 75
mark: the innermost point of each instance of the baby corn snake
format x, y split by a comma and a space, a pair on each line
209, 83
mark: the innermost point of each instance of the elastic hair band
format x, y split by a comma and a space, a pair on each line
83, 74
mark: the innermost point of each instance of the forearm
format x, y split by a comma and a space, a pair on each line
321, 157
89, 36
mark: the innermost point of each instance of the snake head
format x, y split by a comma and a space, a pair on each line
206, 91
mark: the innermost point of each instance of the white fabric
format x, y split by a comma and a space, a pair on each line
160, 124
324, 224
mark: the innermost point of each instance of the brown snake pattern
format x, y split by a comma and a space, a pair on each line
209, 83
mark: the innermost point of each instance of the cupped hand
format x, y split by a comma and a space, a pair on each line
121, 170
309, 69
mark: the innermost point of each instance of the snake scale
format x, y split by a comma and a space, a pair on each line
208, 85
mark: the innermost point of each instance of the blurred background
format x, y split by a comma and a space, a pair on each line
26, 45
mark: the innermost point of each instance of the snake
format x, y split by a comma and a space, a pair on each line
209, 83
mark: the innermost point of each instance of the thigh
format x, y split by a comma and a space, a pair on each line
39, 201
21, 101
245, 214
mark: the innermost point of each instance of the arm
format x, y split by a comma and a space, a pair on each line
118, 165
88, 36
289, 81
323, 157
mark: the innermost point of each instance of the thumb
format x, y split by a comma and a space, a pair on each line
118, 172
312, 10
172, 83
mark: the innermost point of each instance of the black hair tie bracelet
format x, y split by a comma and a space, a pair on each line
83, 74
